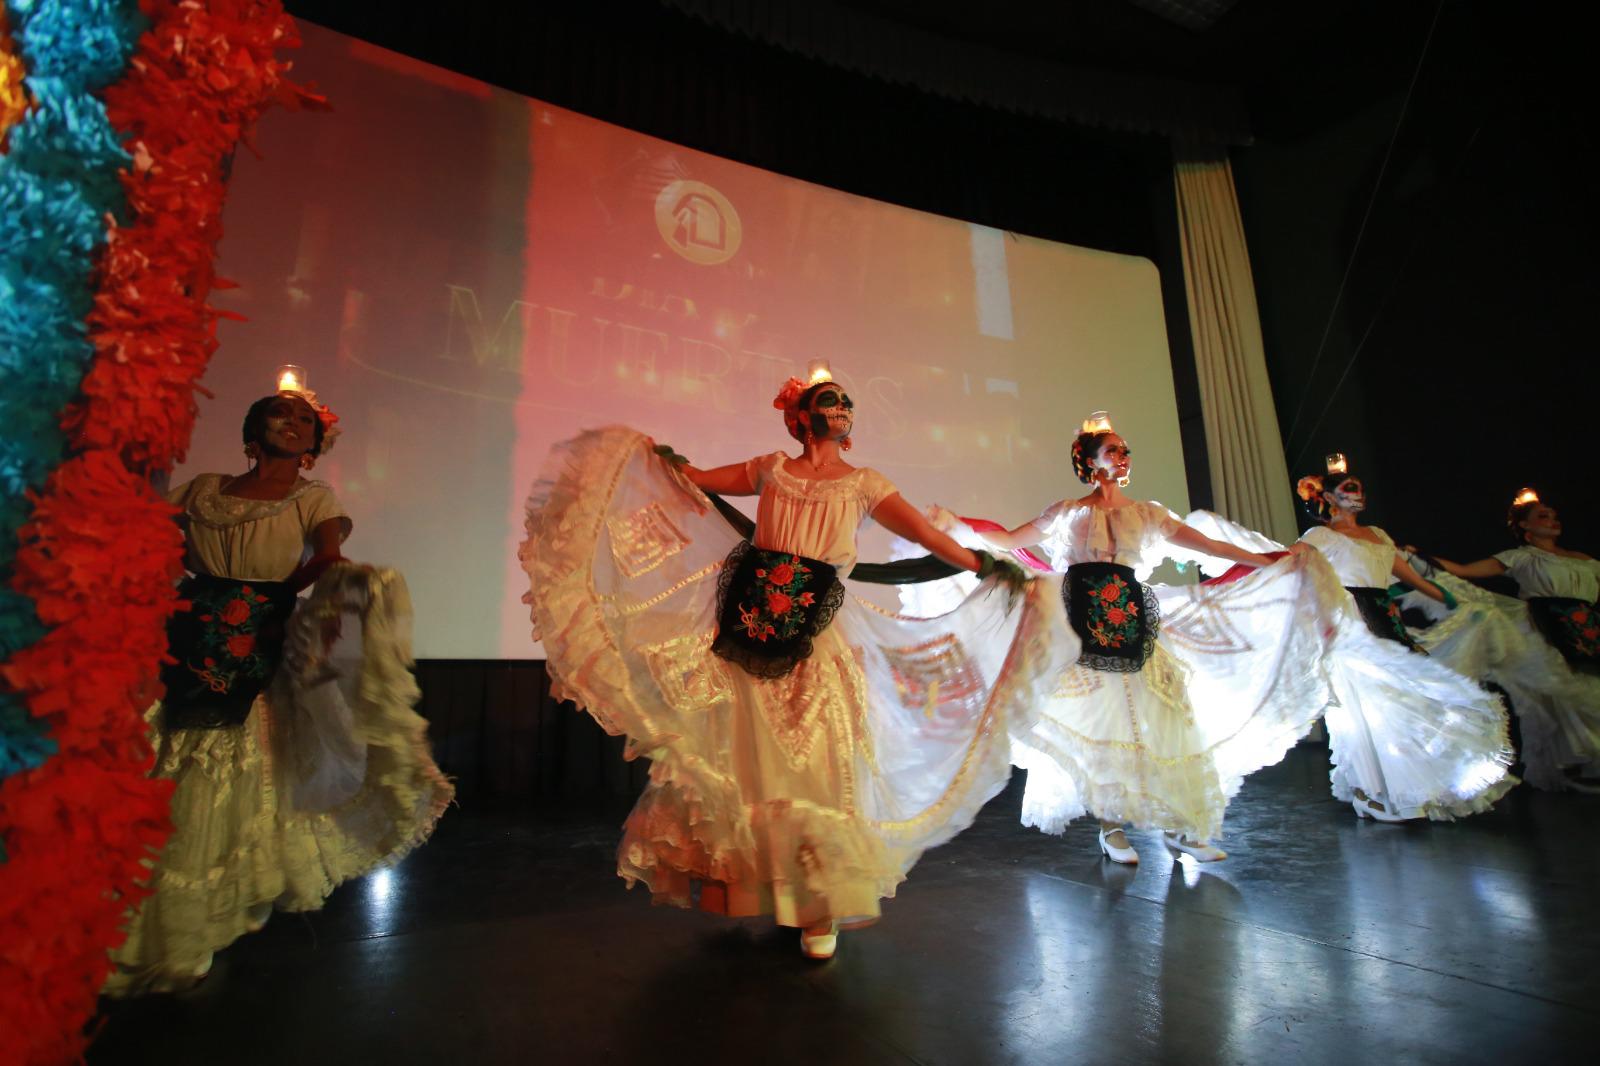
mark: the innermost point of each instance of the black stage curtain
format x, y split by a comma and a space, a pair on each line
497, 731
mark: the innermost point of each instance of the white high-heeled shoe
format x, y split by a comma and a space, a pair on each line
820, 945
1366, 807
1127, 856
1201, 850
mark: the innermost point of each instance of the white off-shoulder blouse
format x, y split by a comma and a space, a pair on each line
1075, 531
1542, 573
813, 517
1359, 563
251, 540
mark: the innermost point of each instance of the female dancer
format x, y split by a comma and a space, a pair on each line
1409, 737
282, 787
1543, 650
806, 747
1174, 699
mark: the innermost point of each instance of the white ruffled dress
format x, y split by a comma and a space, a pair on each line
805, 797
1493, 638
1235, 678
1406, 730
329, 776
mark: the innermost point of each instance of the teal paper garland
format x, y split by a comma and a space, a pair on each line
58, 182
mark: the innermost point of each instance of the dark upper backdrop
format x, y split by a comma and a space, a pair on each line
1473, 279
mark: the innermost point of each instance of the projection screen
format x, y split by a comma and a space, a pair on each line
469, 275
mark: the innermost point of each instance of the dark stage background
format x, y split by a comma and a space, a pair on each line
1476, 277
1456, 366
496, 730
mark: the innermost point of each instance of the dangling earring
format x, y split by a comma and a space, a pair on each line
1122, 482
844, 444
307, 461
252, 452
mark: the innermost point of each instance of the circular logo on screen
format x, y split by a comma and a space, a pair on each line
698, 222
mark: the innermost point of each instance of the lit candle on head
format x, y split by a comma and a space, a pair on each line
818, 371
291, 378
1099, 422
1525, 496
1337, 464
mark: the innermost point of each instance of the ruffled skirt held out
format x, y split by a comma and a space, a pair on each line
1492, 637
805, 797
1406, 730
1411, 733
328, 777
1237, 675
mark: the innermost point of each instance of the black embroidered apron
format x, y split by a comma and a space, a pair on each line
1382, 615
1115, 615
770, 607
1572, 626
227, 647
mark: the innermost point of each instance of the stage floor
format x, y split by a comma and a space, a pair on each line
1322, 939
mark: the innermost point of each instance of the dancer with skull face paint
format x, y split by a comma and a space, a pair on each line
1543, 649
1409, 737
805, 747
1179, 693
282, 787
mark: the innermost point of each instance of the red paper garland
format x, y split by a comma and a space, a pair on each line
101, 551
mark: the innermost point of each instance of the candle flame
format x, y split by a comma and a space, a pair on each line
291, 378
1099, 422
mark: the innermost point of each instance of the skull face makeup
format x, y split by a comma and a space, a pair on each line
1115, 458
1349, 496
830, 412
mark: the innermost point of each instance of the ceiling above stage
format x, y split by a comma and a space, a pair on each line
1231, 68
1236, 43
1194, 14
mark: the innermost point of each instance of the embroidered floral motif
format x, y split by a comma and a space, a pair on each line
1585, 630
1113, 614
778, 594
1381, 612
770, 605
226, 650
1572, 625
1392, 608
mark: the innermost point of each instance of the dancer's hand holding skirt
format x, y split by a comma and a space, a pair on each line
1405, 727
327, 776
1181, 690
1496, 638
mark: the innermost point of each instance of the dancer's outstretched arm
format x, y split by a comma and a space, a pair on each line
902, 519
1187, 536
730, 480
1482, 568
1024, 536
1407, 573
